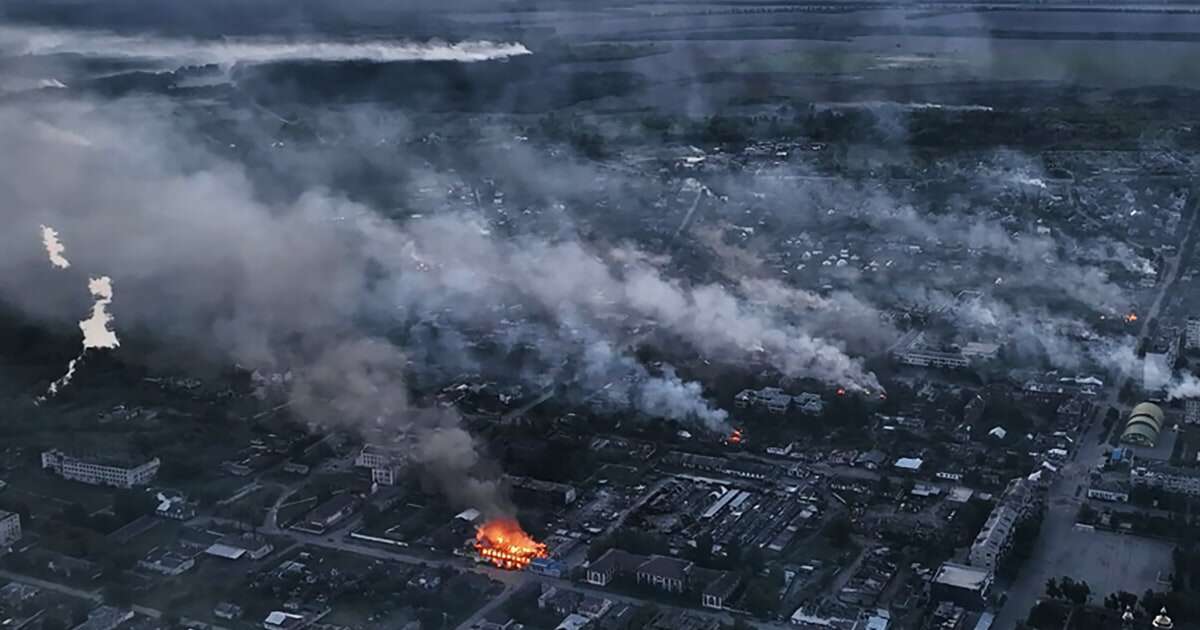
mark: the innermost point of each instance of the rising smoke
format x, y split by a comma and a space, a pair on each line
229, 51
96, 328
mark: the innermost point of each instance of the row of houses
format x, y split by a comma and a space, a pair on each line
776, 401
667, 574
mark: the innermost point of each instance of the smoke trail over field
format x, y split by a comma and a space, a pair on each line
225, 52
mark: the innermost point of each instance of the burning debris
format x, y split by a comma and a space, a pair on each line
735, 438
503, 543
1131, 318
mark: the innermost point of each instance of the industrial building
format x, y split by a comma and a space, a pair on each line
531, 491
1144, 425
99, 473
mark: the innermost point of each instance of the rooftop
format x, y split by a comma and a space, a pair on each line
962, 576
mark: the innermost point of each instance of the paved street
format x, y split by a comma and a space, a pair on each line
1062, 549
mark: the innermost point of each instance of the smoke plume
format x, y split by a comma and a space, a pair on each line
229, 51
95, 328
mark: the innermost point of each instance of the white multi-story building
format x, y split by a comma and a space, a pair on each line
1169, 478
995, 537
97, 473
1191, 334
1191, 411
1113, 493
912, 350
385, 463
772, 398
10, 529
375, 456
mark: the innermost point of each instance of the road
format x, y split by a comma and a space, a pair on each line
1062, 505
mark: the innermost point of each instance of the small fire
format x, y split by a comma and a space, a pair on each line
735, 438
841, 391
1130, 318
503, 543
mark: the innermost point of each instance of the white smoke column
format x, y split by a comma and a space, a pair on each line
96, 331
54, 248
1186, 386
229, 51
671, 397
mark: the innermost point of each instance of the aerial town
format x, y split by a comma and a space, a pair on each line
633, 315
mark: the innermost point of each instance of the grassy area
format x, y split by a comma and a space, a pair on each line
47, 494
195, 593
253, 505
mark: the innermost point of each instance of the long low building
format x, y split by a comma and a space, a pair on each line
1171, 479
995, 537
100, 473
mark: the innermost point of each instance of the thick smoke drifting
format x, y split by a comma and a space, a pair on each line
226, 52
210, 272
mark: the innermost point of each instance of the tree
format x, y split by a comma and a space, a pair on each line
883, 487
53, 623
703, 552
119, 595
128, 505
75, 514
643, 616
1052, 589
79, 612
1075, 592
1046, 615
838, 531
762, 597
1120, 600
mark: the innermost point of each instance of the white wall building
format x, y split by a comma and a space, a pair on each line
1168, 478
1191, 411
10, 529
385, 463
97, 473
995, 537
1191, 334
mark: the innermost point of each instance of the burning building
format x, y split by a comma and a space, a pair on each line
503, 543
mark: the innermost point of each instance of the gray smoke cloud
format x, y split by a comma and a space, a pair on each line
212, 273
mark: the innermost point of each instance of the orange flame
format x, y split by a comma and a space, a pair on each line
503, 543
1132, 317
841, 391
735, 437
